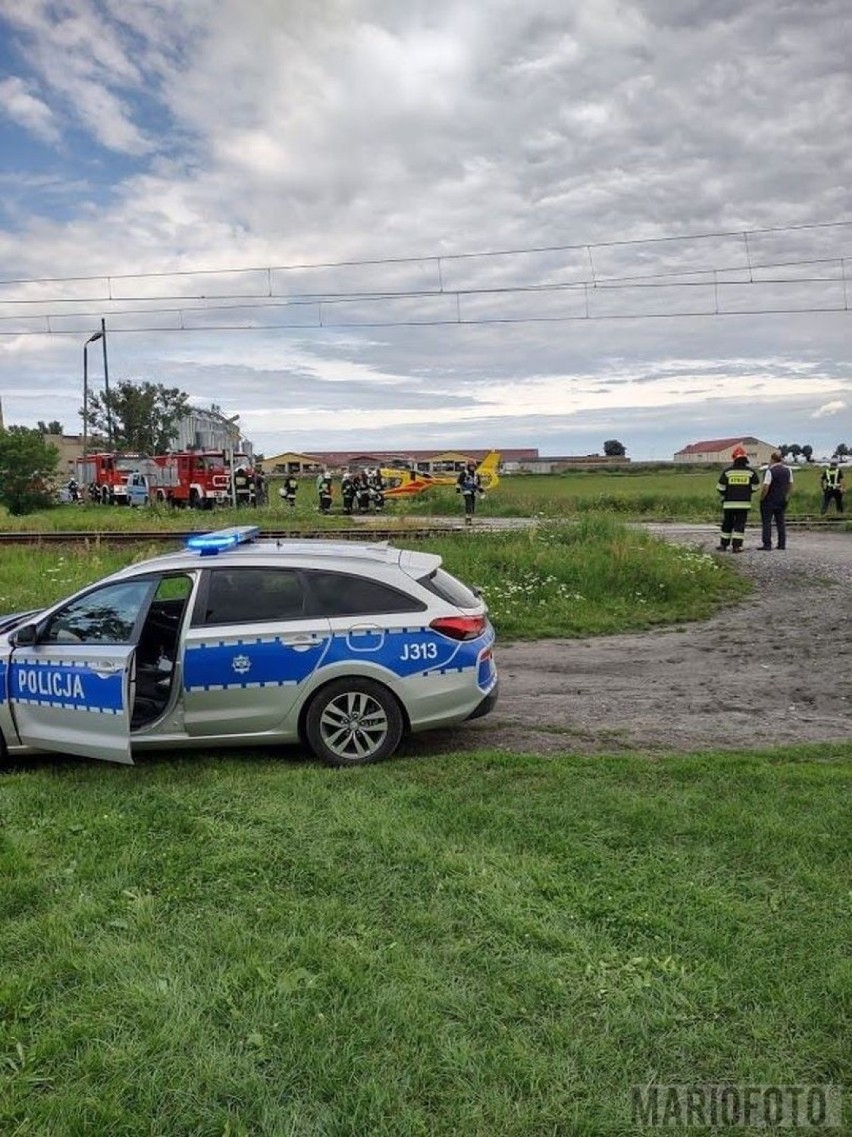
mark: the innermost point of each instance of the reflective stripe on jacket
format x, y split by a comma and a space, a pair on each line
736, 485
831, 478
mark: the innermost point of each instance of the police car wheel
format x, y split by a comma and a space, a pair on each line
352, 722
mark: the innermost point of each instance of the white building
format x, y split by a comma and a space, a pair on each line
208, 429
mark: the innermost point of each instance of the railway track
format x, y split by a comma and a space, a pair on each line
355, 533
137, 537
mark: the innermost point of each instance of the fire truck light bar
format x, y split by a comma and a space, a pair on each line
209, 544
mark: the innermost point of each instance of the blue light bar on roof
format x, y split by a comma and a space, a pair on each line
209, 544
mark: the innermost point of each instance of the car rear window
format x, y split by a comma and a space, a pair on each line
446, 586
339, 594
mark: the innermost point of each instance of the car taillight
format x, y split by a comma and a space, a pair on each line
459, 627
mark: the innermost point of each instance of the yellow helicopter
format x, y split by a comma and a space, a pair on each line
408, 483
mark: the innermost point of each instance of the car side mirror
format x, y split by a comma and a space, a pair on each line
24, 636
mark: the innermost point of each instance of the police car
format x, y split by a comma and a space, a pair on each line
344, 647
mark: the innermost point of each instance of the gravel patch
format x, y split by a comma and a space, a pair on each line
771, 671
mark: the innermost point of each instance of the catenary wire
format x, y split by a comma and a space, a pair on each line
430, 257
597, 283
580, 288
458, 322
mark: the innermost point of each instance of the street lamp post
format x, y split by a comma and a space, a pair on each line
106, 383
233, 433
91, 339
101, 335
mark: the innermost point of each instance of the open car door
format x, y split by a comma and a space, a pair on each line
71, 675
74, 702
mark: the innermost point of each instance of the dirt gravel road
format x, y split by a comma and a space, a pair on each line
774, 670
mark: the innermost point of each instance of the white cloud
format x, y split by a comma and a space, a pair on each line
27, 109
80, 57
831, 408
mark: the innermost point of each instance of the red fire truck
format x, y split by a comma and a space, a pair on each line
198, 479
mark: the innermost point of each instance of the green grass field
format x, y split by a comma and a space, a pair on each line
658, 495
471, 944
661, 495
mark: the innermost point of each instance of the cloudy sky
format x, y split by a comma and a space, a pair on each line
391, 223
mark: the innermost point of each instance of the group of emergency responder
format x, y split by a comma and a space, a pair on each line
364, 491
738, 483
76, 494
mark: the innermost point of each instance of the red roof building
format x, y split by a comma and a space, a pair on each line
430, 461
715, 450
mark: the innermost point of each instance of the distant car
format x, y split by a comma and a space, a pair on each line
345, 647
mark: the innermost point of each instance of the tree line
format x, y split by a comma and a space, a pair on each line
135, 417
795, 451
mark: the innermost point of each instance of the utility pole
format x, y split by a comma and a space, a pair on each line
106, 383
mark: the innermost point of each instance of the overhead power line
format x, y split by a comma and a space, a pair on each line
443, 257
590, 286
655, 279
459, 321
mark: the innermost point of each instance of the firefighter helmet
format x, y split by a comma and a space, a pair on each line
738, 452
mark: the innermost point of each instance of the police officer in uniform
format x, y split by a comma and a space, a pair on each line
832, 487
287, 492
736, 486
469, 485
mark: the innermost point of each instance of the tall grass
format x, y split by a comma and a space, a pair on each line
595, 576
552, 579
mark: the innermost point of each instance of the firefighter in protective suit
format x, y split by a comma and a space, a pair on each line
377, 489
288, 490
362, 491
347, 491
469, 485
736, 486
324, 492
242, 486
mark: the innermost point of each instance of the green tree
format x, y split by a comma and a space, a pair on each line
52, 427
27, 463
808, 452
145, 416
841, 450
614, 449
